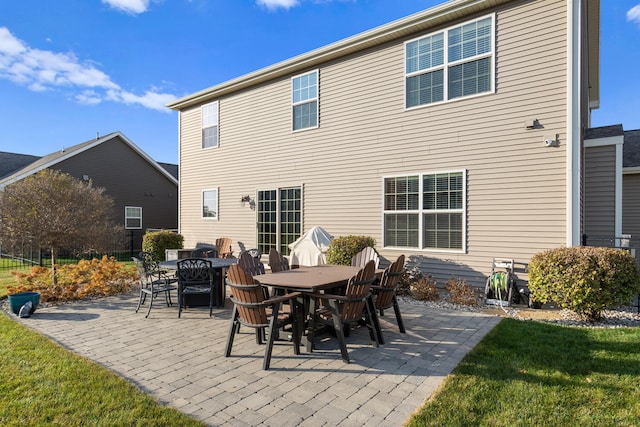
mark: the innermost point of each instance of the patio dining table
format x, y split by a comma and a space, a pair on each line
307, 280
218, 265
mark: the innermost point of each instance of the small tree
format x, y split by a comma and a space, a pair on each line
156, 242
343, 248
56, 211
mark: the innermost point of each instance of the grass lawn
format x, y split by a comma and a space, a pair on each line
527, 373
7, 279
43, 384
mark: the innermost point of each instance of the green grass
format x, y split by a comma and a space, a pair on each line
6, 279
529, 373
43, 384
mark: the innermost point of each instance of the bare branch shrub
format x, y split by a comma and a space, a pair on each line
460, 292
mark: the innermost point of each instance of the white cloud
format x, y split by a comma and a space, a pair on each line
129, 6
274, 4
43, 70
633, 14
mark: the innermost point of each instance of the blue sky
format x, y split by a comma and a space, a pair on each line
71, 69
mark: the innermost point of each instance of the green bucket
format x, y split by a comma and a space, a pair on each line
18, 300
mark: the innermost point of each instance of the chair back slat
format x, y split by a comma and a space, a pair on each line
357, 292
388, 284
248, 296
364, 256
277, 262
250, 264
223, 246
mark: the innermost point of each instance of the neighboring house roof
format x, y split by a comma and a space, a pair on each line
422, 21
631, 149
11, 162
171, 168
58, 156
603, 132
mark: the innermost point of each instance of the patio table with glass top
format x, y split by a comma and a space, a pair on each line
217, 264
308, 280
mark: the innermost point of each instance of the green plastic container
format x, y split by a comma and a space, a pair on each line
18, 300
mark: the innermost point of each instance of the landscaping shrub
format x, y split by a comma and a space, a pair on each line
460, 292
76, 281
343, 248
585, 280
416, 284
156, 242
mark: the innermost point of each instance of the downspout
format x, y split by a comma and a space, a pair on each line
574, 75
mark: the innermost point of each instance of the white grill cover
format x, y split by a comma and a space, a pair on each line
311, 248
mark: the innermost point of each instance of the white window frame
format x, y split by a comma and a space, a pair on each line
127, 217
210, 119
446, 65
421, 211
217, 204
306, 100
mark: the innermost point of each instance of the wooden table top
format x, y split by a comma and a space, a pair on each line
309, 279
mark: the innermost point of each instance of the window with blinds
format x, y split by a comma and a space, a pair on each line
304, 99
425, 211
450, 64
210, 125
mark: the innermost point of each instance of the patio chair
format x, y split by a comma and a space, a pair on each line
342, 310
250, 264
195, 277
252, 309
384, 294
223, 246
364, 256
152, 284
277, 262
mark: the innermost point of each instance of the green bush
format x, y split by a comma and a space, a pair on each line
585, 280
343, 248
156, 242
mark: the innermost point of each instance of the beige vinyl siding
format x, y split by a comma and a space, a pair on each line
631, 205
516, 185
599, 200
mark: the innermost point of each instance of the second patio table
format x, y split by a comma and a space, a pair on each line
217, 264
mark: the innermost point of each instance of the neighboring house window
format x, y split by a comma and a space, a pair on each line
210, 125
279, 213
425, 211
304, 90
132, 218
450, 64
210, 204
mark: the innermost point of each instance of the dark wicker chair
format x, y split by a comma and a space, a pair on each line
252, 309
195, 277
152, 283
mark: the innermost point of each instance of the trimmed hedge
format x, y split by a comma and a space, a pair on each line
343, 248
585, 279
156, 242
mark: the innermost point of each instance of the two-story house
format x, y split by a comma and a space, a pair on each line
452, 136
144, 192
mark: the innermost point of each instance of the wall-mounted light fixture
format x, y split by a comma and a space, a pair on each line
244, 200
532, 124
552, 142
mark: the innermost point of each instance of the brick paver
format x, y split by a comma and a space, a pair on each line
181, 362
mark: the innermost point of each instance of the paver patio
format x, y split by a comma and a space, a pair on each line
181, 362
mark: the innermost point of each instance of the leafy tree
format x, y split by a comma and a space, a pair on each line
56, 211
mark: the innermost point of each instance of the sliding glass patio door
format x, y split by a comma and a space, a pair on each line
279, 218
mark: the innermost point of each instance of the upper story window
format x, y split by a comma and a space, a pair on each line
210, 204
210, 125
450, 64
425, 211
132, 218
304, 100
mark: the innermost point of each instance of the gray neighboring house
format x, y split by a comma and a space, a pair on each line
631, 185
145, 192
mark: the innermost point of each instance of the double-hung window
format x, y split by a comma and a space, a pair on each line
425, 211
304, 100
210, 204
450, 64
210, 125
132, 217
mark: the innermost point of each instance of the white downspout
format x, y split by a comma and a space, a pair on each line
573, 197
